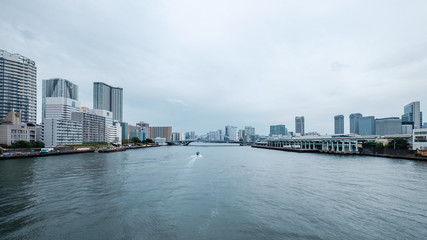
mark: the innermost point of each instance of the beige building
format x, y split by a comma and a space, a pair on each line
161, 132
12, 129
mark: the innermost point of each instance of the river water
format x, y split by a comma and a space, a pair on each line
228, 192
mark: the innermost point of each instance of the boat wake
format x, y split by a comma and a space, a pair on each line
193, 159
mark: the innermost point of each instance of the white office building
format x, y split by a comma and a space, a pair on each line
57, 132
419, 139
114, 133
59, 99
230, 133
93, 126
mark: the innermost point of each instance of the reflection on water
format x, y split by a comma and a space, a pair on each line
224, 193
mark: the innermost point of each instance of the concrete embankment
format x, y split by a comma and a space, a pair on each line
396, 156
45, 154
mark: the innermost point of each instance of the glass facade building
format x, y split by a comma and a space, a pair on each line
339, 124
18, 86
59, 99
299, 125
278, 130
412, 114
388, 126
367, 125
108, 98
354, 122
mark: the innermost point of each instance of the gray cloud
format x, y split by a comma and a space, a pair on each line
202, 65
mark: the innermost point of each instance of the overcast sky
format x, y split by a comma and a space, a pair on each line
200, 65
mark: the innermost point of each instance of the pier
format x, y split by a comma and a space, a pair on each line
333, 144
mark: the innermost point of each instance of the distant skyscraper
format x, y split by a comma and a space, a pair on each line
339, 124
108, 98
354, 122
388, 126
413, 115
59, 99
299, 125
249, 134
278, 130
230, 133
367, 125
18, 84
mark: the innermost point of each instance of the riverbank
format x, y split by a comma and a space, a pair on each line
55, 153
342, 153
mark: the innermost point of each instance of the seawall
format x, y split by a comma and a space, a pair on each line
361, 153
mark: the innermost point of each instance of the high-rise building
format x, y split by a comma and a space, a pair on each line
213, 136
278, 130
135, 131
412, 114
299, 125
354, 122
339, 124
18, 84
145, 129
108, 98
59, 99
125, 130
161, 132
100, 112
230, 133
249, 134
241, 134
190, 135
93, 126
114, 133
388, 126
367, 125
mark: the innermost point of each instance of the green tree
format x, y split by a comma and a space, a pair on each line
37, 144
21, 144
398, 143
373, 145
135, 140
27, 144
149, 140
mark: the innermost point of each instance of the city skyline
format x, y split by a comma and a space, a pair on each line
173, 69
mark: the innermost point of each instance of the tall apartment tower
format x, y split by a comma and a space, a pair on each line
339, 124
18, 86
412, 114
299, 125
59, 99
108, 98
354, 122
230, 133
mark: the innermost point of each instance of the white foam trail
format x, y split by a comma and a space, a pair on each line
193, 160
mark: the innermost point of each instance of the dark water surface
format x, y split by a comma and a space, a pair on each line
229, 192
